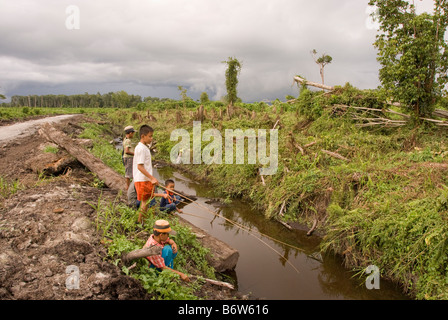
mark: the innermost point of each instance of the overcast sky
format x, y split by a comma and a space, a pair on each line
150, 47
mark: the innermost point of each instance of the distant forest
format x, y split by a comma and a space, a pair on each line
120, 99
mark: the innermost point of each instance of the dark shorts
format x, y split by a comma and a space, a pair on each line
128, 163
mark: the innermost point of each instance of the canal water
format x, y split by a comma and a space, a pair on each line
261, 272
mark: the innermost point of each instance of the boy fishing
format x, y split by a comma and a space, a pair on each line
170, 203
144, 181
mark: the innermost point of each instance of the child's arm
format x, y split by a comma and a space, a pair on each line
142, 169
163, 195
127, 147
127, 151
172, 244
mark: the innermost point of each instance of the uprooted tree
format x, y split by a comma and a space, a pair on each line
413, 53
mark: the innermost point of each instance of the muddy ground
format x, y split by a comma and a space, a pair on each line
47, 231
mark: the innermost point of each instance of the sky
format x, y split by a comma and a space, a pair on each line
150, 47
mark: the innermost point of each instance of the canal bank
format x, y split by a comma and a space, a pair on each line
267, 269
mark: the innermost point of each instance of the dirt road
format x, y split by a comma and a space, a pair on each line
23, 129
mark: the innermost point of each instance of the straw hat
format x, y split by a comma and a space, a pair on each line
163, 226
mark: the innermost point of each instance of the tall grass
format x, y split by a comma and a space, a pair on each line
116, 223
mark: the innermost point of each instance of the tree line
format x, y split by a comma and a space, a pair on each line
120, 99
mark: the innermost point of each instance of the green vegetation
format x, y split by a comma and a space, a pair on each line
9, 188
385, 205
101, 136
116, 223
120, 99
413, 53
232, 72
51, 149
204, 98
322, 61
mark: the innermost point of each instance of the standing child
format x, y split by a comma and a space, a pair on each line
128, 154
170, 203
144, 181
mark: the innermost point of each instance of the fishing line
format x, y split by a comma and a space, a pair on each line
242, 227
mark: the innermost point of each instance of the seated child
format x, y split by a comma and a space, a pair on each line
169, 204
160, 238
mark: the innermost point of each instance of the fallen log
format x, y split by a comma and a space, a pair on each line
111, 178
313, 84
222, 256
140, 253
440, 113
50, 163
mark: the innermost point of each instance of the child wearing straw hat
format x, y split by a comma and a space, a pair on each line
160, 238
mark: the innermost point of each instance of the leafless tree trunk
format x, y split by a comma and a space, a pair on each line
111, 178
313, 84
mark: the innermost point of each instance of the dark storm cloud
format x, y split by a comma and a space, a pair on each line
140, 46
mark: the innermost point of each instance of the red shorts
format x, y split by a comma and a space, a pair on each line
145, 190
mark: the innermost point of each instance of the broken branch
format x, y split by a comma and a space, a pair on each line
313, 84
335, 155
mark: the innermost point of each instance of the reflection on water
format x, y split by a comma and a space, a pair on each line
261, 271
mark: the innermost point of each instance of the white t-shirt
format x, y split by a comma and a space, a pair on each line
142, 155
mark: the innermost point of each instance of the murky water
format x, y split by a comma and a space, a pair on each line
261, 271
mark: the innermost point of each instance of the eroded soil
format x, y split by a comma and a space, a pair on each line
47, 230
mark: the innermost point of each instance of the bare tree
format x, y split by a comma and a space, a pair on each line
322, 61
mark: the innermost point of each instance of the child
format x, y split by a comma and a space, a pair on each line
128, 154
169, 203
144, 181
160, 238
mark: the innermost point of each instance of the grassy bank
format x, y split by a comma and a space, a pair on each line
386, 204
116, 222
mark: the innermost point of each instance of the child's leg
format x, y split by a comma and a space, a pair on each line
177, 199
142, 211
168, 256
168, 208
152, 203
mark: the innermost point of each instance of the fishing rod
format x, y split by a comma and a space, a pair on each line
242, 227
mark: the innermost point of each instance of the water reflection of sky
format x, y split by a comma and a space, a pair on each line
260, 270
